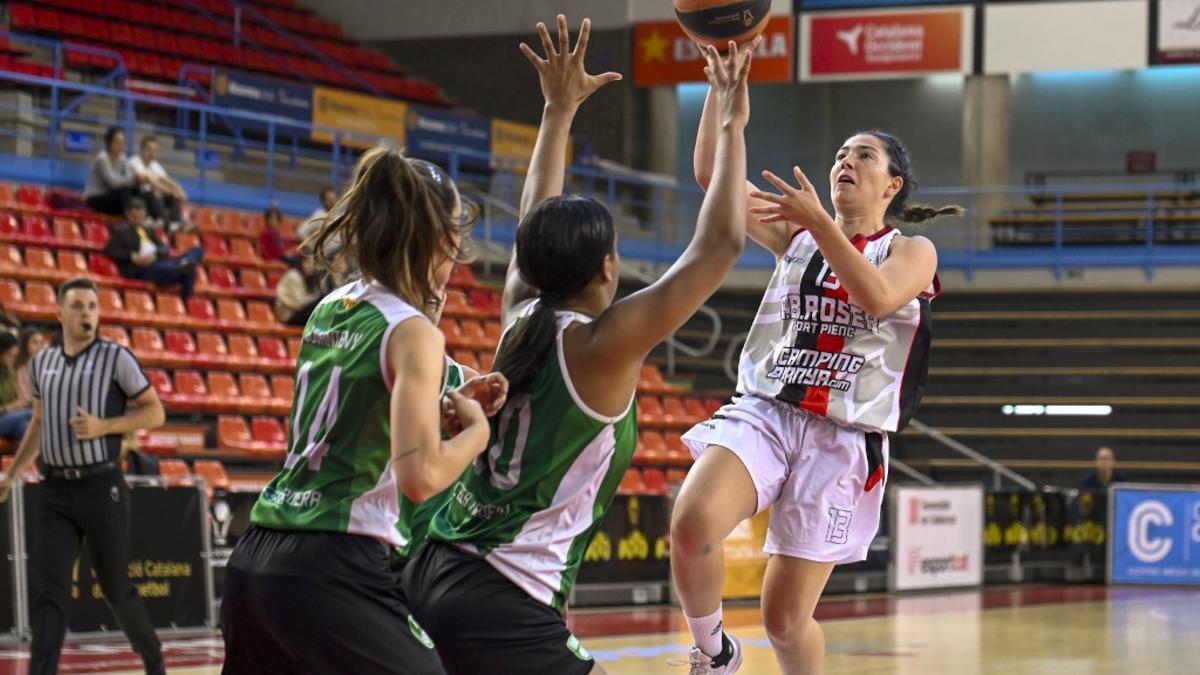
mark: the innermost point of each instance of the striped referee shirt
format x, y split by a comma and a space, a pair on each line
101, 379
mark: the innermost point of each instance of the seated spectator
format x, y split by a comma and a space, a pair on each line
309, 227
111, 180
271, 244
15, 406
31, 342
1106, 471
165, 197
140, 254
299, 291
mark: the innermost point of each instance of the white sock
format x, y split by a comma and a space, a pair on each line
707, 631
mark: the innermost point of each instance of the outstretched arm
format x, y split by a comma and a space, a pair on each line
775, 236
630, 328
565, 85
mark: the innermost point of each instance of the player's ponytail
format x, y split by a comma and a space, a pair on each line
561, 246
395, 224
900, 164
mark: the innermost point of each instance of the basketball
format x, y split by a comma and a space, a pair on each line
716, 22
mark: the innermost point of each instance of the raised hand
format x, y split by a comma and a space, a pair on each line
797, 205
727, 76
565, 83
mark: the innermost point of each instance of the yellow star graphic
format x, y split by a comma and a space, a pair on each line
654, 47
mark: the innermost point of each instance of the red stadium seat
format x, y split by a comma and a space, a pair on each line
283, 388
213, 473
96, 234
40, 264
191, 394
631, 483
162, 384
467, 358
233, 433
139, 308
655, 481
72, 264
223, 394
36, 231
181, 347
243, 349
212, 351
201, 310
149, 348
118, 335
67, 233
270, 441
112, 308
261, 314
10, 229
256, 395
675, 415
221, 277
171, 312
174, 472
650, 411
473, 337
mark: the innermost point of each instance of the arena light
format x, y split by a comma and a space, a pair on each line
1083, 410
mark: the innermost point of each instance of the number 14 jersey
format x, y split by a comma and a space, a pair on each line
338, 473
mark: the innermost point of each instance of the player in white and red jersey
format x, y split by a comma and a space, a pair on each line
836, 359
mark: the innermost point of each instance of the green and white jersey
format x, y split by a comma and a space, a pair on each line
533, 500
338, 473
413, 524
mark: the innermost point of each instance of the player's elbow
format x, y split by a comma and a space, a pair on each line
703, 178
418, 482
879, 305
157, 415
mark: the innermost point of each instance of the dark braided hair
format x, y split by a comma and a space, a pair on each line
900, 164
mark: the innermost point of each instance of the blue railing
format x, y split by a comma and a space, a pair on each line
1005, 228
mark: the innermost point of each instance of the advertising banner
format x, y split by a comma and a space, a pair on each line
631, 543
1155, 534
1179, 31
745, 562
435, 135
663, 54
512, 142
255, 93
167, 562
885, 44
937, 537
370, 119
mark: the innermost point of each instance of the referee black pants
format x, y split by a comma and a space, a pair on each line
96, 508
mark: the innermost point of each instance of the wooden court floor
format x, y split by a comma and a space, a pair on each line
1051, 630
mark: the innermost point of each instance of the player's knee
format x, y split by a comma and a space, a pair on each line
692, 530
786, 625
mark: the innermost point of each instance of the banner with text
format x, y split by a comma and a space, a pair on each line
885, 44
436, 135
512, 143
371, 119
937, 538
258, 94
1155, 531
1179, 31
663, 54
166, 564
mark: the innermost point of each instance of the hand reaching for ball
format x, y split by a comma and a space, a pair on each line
565, 83
727, 75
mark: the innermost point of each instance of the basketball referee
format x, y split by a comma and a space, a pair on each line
80, 392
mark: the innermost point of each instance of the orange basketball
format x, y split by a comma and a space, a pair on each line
716, 22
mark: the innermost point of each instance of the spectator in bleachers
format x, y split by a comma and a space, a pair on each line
15, 405
32, 342
299, 291
111, 180
1106, 471
140, 254
165, 197
310, 226
271, 244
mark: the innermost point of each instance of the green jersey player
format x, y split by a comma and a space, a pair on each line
314, 584
491, 583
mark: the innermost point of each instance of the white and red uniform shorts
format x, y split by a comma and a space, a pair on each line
824, 481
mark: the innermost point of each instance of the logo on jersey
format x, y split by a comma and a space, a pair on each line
831, 316
815, 368
577, 649
348, 303
839, 526
419, 633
